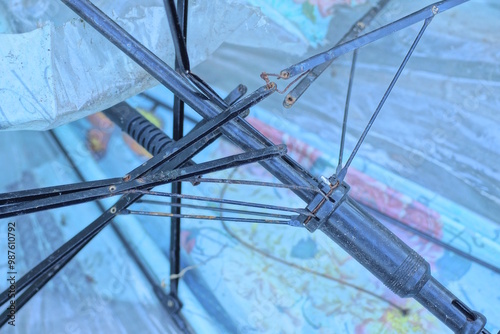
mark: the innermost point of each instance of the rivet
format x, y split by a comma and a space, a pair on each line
285, 74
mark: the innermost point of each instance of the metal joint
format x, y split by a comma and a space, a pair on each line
323, 205
170, 301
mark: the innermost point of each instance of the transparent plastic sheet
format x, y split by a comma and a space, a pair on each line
463, 155
55, 68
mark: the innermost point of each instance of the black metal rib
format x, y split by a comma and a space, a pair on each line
247, 139
46, 192
172, 160
178, 36
203, 168
41, 271
235, 94
206, 217
207, 128
206, 89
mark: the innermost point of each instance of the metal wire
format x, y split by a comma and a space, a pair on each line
216, 208
346, 110
341, 175
225, 201
312, 75
255, 183
178, 31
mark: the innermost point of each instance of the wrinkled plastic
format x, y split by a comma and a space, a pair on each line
55, 68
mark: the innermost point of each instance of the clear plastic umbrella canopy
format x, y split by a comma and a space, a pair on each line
232, 255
